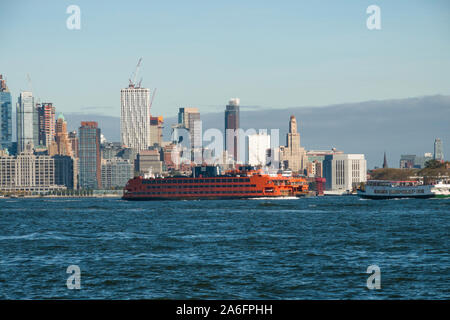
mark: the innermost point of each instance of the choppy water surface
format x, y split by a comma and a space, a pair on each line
314, 248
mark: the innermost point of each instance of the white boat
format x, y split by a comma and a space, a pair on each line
387, 189
441, 190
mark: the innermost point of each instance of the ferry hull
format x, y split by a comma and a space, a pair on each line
376, 197
442, 196
210, 198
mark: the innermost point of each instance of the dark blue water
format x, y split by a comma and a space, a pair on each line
315, 248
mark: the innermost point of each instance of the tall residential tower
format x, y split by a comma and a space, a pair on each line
46, 114
89, 156
438, 150
135, 117
231, 128
26, 117
5, 115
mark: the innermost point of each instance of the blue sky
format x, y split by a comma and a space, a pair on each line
273, 54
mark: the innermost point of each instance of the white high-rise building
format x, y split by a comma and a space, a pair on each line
438, 150
344, 172
135, 118
258, 144
26, 117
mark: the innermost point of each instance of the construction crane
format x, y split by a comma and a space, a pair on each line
153, 97
30, 86
134, 74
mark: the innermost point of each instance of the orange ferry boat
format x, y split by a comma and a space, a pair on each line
207, 183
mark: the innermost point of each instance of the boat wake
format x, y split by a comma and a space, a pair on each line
274, 198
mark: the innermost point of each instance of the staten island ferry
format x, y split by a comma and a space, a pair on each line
386, 189
206, 182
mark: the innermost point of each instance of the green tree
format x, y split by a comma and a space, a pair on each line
433, 164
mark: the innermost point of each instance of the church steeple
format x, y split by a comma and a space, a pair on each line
385, 165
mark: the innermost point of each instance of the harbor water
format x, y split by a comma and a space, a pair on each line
311, 248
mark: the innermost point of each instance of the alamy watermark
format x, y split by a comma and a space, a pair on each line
374, 280
74, 280
374, 20
73, 22
207, 147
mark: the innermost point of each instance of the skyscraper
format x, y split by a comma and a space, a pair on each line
5, 115
189, 118
46, 115
26, 118
231, 127
62, 142
89, 155
438, 150
293, 156
135, 118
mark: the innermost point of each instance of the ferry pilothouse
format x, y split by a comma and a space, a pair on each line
206, 182
387, 189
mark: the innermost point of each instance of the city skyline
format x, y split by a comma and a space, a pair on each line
289, 70
373, 161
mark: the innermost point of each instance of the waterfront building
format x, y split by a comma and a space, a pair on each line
5, 115
293, 156
66, 171
344, 172
116, 172
28, 173
135, 117
89, 155
438, 150
46, 123
26, 121
156, 135
258, 148
149, 161
232, 116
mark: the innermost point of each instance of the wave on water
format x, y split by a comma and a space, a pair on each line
36, 236
274, 198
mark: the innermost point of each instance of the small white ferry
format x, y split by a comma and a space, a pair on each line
441, 190
386, 189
